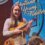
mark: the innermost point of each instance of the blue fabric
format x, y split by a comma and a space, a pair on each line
35, 29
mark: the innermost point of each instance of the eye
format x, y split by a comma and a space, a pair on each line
17, 9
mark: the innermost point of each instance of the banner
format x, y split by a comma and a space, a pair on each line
34, 9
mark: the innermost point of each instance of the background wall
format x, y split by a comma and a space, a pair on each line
40, 18
4, 13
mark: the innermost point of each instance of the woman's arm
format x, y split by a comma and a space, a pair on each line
29, 24
6, 31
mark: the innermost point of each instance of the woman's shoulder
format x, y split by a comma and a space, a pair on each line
8, 20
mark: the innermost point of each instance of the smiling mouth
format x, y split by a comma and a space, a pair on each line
16, 12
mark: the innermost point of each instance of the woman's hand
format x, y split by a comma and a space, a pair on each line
17, 31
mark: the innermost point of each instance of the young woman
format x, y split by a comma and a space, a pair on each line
13, 22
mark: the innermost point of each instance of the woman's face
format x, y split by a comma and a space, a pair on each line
16, 11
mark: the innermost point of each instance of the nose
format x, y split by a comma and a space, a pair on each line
16, 12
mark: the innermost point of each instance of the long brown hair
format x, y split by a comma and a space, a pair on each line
20, 17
